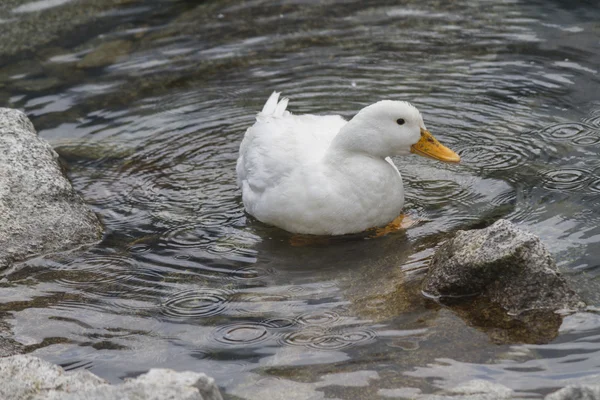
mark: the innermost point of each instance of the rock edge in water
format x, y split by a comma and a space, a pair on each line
39, 210
485, 390
28, 377
508, 265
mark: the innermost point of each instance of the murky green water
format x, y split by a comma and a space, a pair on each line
147, 102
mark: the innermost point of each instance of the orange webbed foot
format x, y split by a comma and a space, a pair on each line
401, 222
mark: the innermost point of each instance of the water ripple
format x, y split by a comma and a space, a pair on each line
202, 302
318, 318
242, 334
595, 186
279, 323
188, 236
566, 131
97, 269
581, 134
437, 192
566, 179
320, 339
492, 157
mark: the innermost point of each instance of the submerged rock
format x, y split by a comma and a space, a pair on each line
531, 326
39, 210
105, 54
509, 266
28, 377
477, 389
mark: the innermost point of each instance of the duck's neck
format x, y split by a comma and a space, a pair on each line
356, 139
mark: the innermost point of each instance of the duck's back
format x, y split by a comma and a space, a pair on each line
279, 144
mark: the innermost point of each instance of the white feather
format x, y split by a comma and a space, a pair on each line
271, 104
281, 106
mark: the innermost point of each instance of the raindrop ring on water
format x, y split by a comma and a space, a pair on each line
568, 179
278, 323
492, 157
187, 236
318, 318
595, 186
323, 340
587, 140
565, 131
342, 341
197, 303
242, 334
98, 269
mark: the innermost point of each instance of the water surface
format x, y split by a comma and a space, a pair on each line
147, 102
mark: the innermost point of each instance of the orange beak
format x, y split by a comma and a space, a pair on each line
428, 146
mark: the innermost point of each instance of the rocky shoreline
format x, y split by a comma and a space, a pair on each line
28, 377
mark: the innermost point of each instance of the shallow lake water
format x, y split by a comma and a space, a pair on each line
146, 102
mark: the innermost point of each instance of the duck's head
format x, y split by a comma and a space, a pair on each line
392, 128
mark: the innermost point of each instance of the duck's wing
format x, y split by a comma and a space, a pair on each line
280, 142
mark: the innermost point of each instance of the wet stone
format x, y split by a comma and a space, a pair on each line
28, 377
39, 210
504, 263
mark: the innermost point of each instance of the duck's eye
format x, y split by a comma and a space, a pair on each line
400, 121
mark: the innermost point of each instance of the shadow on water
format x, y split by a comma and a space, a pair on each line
146, 102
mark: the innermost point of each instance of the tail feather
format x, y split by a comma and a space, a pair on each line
271, 104
281, 106
274, 107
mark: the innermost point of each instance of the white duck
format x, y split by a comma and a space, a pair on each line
324, 175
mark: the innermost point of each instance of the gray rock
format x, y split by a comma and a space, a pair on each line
576, 392
39, 210
509, 266
28, 377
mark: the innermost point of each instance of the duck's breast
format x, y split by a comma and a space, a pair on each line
324, 199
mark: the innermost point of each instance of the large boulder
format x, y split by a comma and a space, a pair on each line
39, 210
509, 266
28, 377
